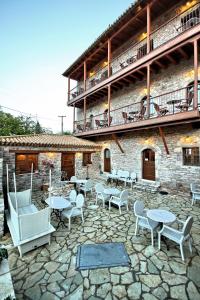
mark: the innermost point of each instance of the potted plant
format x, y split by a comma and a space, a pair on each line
3, 254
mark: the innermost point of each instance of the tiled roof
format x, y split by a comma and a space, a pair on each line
46, 140
107, 33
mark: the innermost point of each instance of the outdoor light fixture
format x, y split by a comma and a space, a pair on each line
92, 73
51, 154
78, 154
105, 63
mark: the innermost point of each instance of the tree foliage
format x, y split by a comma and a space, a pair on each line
10, 125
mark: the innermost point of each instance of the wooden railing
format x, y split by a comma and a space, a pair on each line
166, 32
170, 103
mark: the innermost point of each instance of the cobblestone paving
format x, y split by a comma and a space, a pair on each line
49, 272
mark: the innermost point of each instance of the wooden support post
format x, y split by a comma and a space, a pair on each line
148, 28
109, 57
69, 88
148, 89
117, 142
195, 103
84, 112
164, 140
74, 119
85, 74
109, 98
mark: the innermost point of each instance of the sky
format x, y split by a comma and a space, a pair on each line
39, 40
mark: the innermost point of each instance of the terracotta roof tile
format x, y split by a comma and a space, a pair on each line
46, 140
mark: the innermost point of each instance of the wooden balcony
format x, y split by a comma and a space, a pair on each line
180, 29
176, 107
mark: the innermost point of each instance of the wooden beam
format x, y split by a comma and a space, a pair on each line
109, 99
148, 28
85, 74
164, 140
148, 89
161, 65
114, 136
183, 53
74, 118
84, 111
171, 59
68, 88
109, 57
195, 102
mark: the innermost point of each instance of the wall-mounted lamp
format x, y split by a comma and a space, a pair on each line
78, 154
105, 63
51, 154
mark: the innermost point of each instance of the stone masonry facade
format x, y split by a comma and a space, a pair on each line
1, 195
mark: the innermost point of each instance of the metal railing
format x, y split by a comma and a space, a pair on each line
170, 103
166, 32
76, 91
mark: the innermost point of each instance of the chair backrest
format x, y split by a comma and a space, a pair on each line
190, 98
73, 178
79, 127
99, 188
187, 226
124, 115
133, 175
157, 108
97, 122
125, 174
80, 201
114, 172
110, 121
120, 173
124, 195
138, 208
89, 184
143, 110
72, 195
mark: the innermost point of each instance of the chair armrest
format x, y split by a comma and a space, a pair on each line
170, 228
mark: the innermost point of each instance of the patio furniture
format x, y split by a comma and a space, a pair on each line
184, 106
122, 200
74, 211
195, 190
113, 175
79, 127
123, 176
99, 124
58, 203
142, 219
131, 60
173, 102
29, 227
111, 191
100, 195
178, 236
87, 187
126, 117
132, 179
123, 65
161, 111
72, 197
88, 125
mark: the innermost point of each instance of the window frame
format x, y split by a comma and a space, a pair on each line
191, 159
87, 158
26, 167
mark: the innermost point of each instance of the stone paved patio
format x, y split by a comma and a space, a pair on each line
49, 272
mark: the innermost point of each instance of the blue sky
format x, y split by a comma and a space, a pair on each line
39, 40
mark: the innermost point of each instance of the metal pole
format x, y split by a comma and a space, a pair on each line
62, 123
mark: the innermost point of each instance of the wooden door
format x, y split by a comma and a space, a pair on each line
68, 165
148, 164
107, 167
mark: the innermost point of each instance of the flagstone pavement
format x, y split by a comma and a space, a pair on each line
49, 273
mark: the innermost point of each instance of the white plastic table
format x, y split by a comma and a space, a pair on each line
161, 215
58, 203
111, 191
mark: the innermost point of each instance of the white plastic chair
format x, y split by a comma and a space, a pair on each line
131, 179
195, 190
123, 176
120, 201
75, 211
142, 220
87, 187
73, 178
72, 197
178, 236
100, 195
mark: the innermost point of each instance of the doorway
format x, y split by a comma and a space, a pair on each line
148, 157
68, 165
107, 164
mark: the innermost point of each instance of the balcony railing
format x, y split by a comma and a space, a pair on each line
166, 32
76, 91
171, 103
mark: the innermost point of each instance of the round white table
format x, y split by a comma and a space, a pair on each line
58, 203
161, 215
111, 191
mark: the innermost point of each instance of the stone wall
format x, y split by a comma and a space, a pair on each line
93, 169
170, 171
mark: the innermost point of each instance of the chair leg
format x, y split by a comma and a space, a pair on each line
96, 199
69, 224
159, 237
136, 227
127, 207
103, 203
120, 211
152, 241
82, 217
190, 244
109, 205
182, 253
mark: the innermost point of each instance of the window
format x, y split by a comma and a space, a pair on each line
142, 51
86, 159
23, 163
191, 156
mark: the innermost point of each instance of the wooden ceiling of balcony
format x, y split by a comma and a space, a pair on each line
159, 64
131, 24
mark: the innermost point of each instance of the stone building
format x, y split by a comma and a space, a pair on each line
138, 95
65, 155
